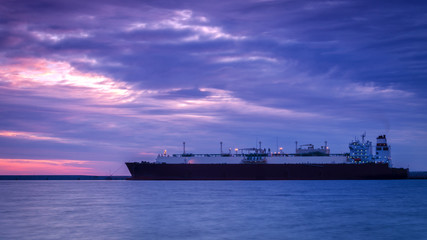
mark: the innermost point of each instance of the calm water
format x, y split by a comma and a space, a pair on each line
394, 209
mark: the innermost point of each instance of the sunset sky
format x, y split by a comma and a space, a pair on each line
88, 85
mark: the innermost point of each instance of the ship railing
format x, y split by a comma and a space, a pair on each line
331, 154
208, 155
245, 155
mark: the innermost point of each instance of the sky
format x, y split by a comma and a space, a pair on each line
88, 85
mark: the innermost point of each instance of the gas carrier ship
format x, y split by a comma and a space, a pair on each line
307, 163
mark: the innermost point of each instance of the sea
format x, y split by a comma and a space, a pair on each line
366, 209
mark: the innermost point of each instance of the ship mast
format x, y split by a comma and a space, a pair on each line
183, 145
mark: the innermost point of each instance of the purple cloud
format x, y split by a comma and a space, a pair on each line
121, 80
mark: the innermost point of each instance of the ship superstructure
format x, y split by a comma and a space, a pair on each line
309, 150
382, 153
361, 151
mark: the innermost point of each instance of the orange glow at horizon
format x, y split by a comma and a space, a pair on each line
48, 167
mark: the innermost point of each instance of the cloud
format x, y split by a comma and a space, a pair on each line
46, 36
245, 58
371, 91
49, 78
184, 93
32, 136
183, 20
60, 80
102, 80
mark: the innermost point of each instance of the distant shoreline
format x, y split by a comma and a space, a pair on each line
61, 177
417, 175
412, 175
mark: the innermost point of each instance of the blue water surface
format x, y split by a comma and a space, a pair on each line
394, 209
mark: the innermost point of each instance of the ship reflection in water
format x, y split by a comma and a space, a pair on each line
307, 163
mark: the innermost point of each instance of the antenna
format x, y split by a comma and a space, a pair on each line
220, 143
259, 144
363, 137
296, 146
183, 144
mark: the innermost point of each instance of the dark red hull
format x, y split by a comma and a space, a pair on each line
152, 171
